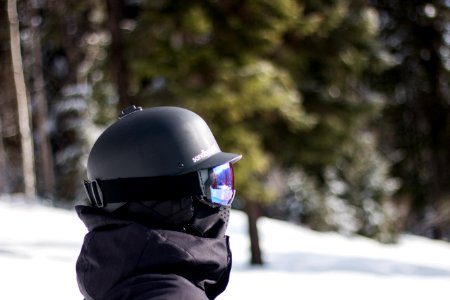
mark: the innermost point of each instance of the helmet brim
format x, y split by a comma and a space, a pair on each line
214, 160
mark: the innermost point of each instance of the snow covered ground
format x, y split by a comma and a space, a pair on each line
39, 246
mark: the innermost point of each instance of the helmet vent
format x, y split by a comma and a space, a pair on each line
128, 110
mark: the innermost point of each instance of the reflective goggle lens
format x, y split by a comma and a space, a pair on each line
222, 184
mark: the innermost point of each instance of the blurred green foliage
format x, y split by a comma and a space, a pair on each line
283, 83
339, 107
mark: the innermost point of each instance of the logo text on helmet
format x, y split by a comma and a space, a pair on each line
204, 154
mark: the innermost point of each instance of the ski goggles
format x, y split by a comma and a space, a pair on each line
218, 184
216, 187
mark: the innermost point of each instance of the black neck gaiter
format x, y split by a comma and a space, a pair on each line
207, 221
188, 215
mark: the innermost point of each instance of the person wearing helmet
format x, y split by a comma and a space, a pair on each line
160, 192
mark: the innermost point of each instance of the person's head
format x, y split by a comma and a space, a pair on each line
162, 166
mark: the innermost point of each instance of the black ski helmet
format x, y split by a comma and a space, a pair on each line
155, 142
159, 141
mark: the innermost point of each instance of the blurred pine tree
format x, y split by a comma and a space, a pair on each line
417, 124
281, 82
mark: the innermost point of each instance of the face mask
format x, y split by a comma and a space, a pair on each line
191, 215
208, 221
167, 214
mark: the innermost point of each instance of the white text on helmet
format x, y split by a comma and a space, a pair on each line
204, 154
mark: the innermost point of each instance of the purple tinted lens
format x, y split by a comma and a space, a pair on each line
222, 184
222, 177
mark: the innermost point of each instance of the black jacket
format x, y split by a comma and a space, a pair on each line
122, 259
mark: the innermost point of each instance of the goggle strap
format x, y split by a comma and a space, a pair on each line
101, 192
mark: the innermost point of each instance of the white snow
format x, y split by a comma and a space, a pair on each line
39, 246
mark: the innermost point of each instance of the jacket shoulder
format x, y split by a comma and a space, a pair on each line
157, 287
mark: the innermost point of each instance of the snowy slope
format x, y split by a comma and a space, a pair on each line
39, 246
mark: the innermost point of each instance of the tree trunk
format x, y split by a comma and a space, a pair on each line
2, 162
67, 90
117, 58
9, 133
22, 102
253, 211
46, 165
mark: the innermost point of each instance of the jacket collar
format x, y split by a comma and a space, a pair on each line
117, 244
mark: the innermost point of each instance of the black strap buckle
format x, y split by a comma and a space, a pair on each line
94, 192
